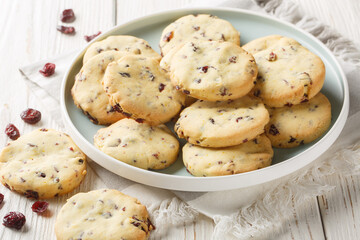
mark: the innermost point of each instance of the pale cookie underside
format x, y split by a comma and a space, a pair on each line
222, 124
288, 73
142, 90
130, 44
212, 71
42, 164
249, 156
103, 214
88, 92
299, 124
138, 144
197, 27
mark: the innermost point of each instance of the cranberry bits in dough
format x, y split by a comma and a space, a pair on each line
211, 70
138, 144
104, 214
288, 72
197, 27
222, 124
299, 124
88, 92
42, 164
130, 44
248, 156
141, 89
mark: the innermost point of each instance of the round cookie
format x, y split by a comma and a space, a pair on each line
42, 164
299, 124
88, 92
249, 156
126, 43
222, 124
105, 214
197, 27
138, 144
140, 88
288, 72
211, 70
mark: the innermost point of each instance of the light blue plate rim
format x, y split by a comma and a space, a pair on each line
188, 183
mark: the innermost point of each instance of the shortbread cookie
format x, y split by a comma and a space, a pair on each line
138, 144
126, 43
288, 72
222, 124
211, 71
88, 92
140, 88
104, 214
197, 27
249, 156
299, 124
42, 164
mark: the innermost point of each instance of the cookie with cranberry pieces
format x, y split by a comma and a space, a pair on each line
126, 43
105, 214
299, 124
141, 89
249, 156
138, 144
197, 27
288, 72
211, 71
88, 92
222, 124
44, 163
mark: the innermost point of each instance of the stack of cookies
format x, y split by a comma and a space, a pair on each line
235, 103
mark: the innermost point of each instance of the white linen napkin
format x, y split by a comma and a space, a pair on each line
255, 215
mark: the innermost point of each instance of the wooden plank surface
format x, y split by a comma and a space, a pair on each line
29, 34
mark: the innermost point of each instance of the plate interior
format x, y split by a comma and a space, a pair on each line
250, 27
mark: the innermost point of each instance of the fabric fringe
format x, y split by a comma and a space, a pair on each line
289, 11
171, 212
253, 221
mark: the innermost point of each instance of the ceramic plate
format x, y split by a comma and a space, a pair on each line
251, 26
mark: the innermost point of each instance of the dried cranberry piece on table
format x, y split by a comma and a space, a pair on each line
48, 69
67, 15
39, 206
1, 198
65, 30
12, 131
14, 220
91, 37
31, 116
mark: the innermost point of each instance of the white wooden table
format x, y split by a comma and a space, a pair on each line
28, 33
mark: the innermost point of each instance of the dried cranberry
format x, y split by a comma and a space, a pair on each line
39, 206
14, 220
292, 139
232, 59
1, 198
48, 69
271, 57
31, 116
67, 15
65, 30
204, 69
12, 131
273, 130
91, 37
168, 36
161, 87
